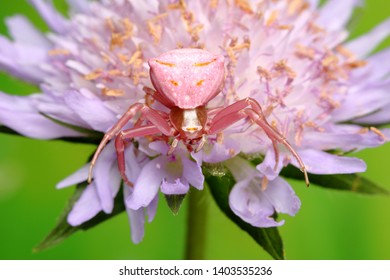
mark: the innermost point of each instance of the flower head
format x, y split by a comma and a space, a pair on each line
292, 57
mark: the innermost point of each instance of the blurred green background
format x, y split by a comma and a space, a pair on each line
330, 224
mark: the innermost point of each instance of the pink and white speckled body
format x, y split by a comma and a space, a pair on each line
187, 78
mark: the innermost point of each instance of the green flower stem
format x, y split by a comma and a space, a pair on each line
197, 224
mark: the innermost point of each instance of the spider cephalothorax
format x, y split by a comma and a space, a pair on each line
185, 80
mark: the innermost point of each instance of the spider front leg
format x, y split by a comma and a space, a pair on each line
146, 113
113, 131
275, 135
240, 110
120, 140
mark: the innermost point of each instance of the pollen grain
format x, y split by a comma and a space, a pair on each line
59, 52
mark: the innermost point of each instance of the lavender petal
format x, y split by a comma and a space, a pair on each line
267, 167
249, 203
79, 176
375, 71
335, 14
362, 102
86, 207
319, 162
380, 117
193, 173
107, 178
146, 187
86, 107
178, 186
81, 6
152, 209
136, 219
217, 152
360, 46
52, 17
24, 33
283, 198
18, 113
23, 57
313, 3
344, 137
133, 168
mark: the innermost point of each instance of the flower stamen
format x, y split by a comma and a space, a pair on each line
188, 19
264, 183
345, 52
214, 4
54, 52
296, 7
272, 18
378, 132
282, 68
113, 92
244, 6
304, 52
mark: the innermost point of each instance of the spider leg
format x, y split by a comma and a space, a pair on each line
173, 146
276, 151
146, 113
228, 111
120, 145
201, 144
275, 135
239, 110
113, 131
214, 111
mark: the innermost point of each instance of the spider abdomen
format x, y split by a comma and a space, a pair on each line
187, 78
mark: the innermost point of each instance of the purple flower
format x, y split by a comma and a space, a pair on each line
292, 57
256, 204
173, 174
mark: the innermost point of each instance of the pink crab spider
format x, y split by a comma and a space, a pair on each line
185, 80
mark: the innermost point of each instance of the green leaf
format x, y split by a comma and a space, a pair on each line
63, 230
220, 184
175, 202
346, 182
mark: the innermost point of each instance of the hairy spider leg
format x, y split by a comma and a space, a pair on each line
147, 113
237, 111
201, 143
233, 113
173, 146
273, 134
214, 111
120, 145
